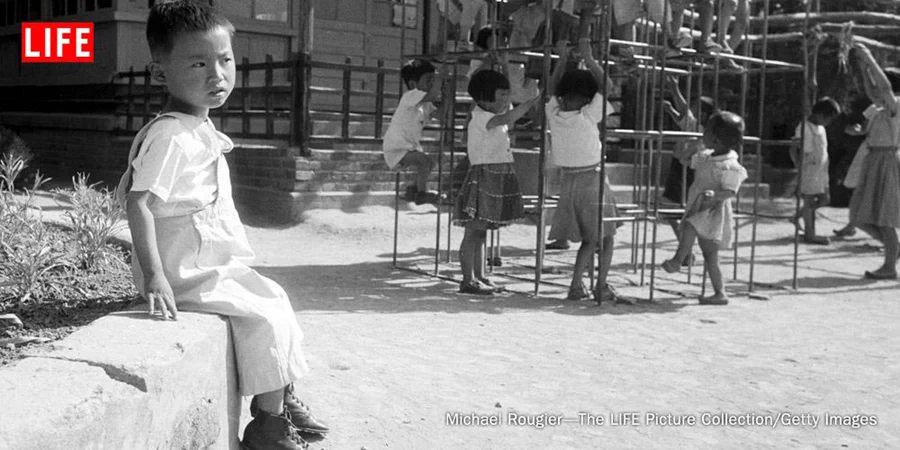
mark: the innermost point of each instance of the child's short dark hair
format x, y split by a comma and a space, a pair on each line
169, 18
483, 38
484, 84
826, 107
727, 127
414, 69
893, 75
578, 82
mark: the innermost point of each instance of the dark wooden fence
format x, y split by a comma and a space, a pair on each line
272, 100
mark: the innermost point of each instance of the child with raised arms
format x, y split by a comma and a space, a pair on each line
875, 205
572, 115
190, 249
490, 196
709, 216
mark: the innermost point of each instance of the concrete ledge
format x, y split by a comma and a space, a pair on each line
126, 382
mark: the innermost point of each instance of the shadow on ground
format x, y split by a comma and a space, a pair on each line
379, 287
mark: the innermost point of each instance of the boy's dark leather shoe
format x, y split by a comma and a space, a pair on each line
300, 415
301, 418
271, 432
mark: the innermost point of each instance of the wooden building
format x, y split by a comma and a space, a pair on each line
74, 115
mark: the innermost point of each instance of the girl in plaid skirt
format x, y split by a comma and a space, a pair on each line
490, 196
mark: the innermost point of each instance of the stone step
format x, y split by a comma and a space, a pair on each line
343, 186
346, 200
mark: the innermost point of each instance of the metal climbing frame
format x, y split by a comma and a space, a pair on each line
646, 212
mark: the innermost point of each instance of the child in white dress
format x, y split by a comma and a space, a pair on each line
709, 214
813, 164
190, 249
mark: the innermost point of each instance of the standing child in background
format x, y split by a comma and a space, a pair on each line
813, 164
401, 145
572, 116
490, 196
190, 250
709, 216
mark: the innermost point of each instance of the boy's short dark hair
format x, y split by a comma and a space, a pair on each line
578, 82
826, 107
414, 69
169, 18
893, 75
727, 127
484, 84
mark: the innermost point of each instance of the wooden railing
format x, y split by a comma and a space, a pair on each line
279, 108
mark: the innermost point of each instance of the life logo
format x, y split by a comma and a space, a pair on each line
57, 42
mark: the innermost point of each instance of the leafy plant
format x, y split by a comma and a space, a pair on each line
27, 250
95, 219
29, 258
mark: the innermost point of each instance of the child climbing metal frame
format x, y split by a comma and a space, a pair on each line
646, 212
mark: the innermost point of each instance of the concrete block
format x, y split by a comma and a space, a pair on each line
126, 381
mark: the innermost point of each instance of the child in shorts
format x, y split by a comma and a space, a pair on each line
190, 249
402, 142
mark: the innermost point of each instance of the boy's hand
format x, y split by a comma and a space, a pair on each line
159, 295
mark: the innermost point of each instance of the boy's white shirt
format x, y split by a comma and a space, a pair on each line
405, 129
574, 136
487, 146
177, 163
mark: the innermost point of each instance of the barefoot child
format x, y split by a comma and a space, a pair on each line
490, 196
572, 116
401, 145
190, 249
813, 164
709, 218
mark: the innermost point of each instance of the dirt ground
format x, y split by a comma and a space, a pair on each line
400, 360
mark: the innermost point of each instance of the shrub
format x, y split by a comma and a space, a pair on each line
95, 219
28, 250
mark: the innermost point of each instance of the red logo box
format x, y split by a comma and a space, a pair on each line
57, 42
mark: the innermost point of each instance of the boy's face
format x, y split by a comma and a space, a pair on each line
199, 71
500, 103
425, 83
